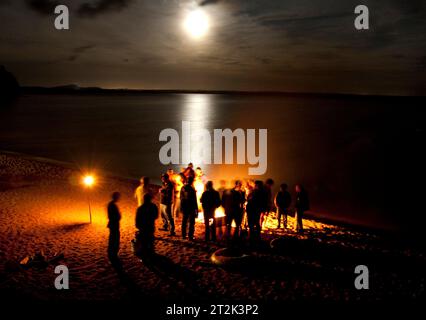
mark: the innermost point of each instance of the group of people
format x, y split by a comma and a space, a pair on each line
245, 207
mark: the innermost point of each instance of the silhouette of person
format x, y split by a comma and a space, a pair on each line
142, 189
302, 205
282, 202
146, 215
210, 200
256, 204
173, 178
114, 217
233, 202
166, 204
180, 181
189, 171
269, 183
221, 190
189, 207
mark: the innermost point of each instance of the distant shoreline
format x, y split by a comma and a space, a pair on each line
75, 89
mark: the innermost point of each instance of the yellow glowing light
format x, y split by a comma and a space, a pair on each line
197, 24
199, 188
219, 212
88, 180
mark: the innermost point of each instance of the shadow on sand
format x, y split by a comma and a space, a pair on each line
182, 280
174, 274
73, 227
133, 290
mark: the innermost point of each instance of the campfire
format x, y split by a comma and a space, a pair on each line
219, 213
199, 188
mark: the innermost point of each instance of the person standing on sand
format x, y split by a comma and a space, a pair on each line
210, 201
166, 204
189, 207
180, 180
142, 190
114, 217
302, 205
221, 190
282, 202
269, 183
256, 204
233, 202
172, 177
145, 223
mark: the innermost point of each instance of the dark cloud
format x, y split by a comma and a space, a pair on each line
72, 58
83, 48
79, 51
208, 2
44, 7
102, 6
410, 7
303, 26
264, 60
215, 60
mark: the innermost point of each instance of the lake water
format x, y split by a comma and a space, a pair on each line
343, 149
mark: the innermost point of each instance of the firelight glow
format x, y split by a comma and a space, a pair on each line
196, 24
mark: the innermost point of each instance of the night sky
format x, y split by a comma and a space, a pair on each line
281, 45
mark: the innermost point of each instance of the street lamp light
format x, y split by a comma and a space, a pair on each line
89, 182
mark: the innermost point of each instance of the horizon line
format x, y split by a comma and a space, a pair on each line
73, 88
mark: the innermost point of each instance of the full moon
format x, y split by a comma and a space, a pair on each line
196, 24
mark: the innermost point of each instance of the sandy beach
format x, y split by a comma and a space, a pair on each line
44, 208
